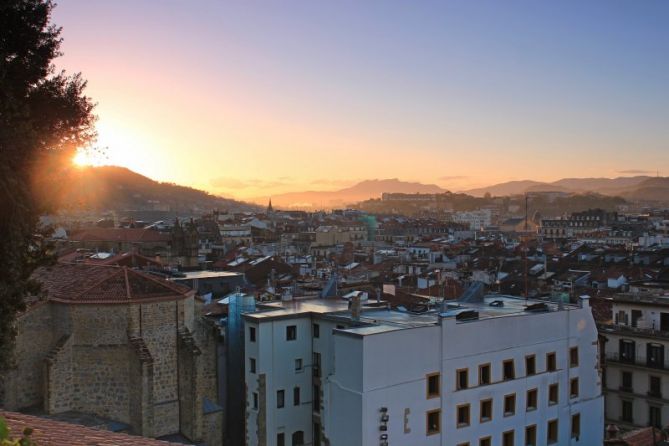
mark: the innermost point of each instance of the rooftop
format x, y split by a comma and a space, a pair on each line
47, 432
204, 275
375, 319
98, 284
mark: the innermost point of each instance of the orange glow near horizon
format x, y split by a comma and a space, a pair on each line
204, 97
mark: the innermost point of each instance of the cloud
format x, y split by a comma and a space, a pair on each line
453, 177
236, 183
333, 182
636, 172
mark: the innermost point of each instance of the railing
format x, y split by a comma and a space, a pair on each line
621, 328
639, 360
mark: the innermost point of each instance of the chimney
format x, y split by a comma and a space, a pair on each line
355, 307
612, 432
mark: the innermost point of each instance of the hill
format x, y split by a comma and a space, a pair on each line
359, 192
604, 186
112, 188
651, 189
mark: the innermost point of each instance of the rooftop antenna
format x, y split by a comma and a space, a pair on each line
525, 235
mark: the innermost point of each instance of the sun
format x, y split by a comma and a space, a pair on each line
81, 159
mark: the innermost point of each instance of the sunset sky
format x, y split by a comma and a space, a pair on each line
251, 99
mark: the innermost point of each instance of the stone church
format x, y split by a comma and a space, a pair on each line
119, 344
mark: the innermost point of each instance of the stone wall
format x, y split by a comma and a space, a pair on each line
159, 332
148, 365
34, 340
101, 381
59, 377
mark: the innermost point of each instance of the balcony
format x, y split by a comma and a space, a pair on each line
634, 331
638, 360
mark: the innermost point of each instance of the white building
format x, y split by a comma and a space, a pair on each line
476, 220
482, 374
637, 370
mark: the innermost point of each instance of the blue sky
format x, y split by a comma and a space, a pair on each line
285, 95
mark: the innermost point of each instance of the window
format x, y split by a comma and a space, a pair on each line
298, 438
317, 398
487, 441
296, 396
551, 363
655, 355
279, 399
655, 386
626, 351
433, 389
484, 374
252, 334
291, 332
509, 405
508, 438
553, 394
317, 331
255, 400
530, 365
626, 381
298, 365
485, 413
316, 367
573, 357
509, 370
552, 432
280, 439
317, 434
573, 388
627, 411
576, 425
531, 399
655, 416
462, 379
531, 435
252, 365
433, 420
463, 415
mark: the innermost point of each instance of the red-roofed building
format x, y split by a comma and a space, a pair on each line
120, 344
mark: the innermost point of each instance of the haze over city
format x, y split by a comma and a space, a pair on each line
245, 100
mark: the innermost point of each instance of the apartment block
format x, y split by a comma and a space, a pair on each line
498, 370
636, 368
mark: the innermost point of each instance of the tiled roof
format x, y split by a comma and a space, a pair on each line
82, 283
48, 432
129, 235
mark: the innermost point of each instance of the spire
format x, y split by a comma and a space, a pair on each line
270, 209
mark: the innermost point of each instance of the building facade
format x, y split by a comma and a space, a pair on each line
636, 368
119, 344
482, 373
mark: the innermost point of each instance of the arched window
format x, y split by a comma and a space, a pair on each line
298, 438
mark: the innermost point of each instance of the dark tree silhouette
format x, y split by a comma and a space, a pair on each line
44, 117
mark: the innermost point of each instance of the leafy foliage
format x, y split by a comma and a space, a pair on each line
6, 439
44, 117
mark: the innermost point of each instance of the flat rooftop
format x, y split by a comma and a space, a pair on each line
205, 275
374, 319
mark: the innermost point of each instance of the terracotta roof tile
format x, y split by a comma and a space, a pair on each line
47, 432
83, 283
120, 235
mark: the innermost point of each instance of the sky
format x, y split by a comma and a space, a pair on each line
251, 99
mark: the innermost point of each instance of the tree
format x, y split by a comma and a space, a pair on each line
44, 118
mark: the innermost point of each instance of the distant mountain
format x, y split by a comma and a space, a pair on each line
120, 189
359, 192
651, 189
605, 186
511, 188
